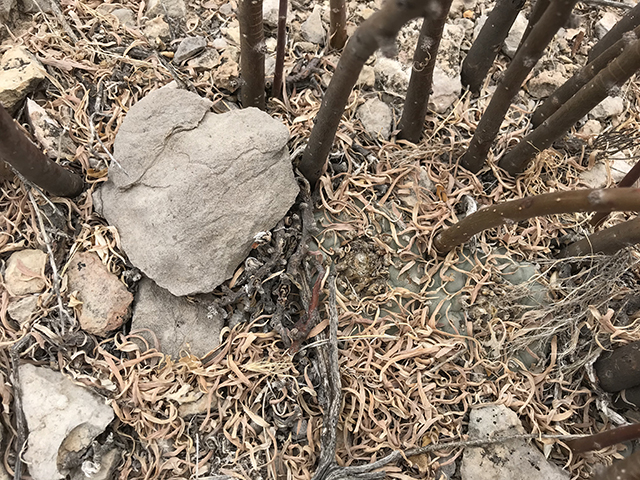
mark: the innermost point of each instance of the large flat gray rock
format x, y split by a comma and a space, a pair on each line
195, 188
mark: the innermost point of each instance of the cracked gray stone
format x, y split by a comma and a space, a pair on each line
195, 188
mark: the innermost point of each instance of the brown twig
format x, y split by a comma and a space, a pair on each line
587, 200
629, 179
605, 439
607, 241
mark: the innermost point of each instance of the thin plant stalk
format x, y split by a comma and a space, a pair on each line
581, 78
483, 52
629, 22
378, 31
628, 180
27, 159
614, 75
337, 24
543, 31
607, 241
420, 85
251, 53
583, 200
278, 75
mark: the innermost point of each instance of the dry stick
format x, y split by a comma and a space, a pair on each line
629, 22
338, 24
424, 61
18, 151
536, 14
490, 39
532, 49
614, 75
278, 74
251, 53
581, 78
628, 180
332, 386
627, 469
605, 439
583, 200
378, 31
607, 241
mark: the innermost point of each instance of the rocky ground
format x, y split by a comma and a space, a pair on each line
155, 326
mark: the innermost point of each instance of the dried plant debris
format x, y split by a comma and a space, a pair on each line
255, 407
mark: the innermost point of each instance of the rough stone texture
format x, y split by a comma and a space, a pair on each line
606, 23
105, 299
232, 32
53, 138
7, 8
31, 6
63, 419
515, 34
270, 9
448, 58
512, 460
25, 272
189, 48
20, 74
367, 77
544, 84
375, 116
609, 107
23, 309
458, 7
209, 59
312, 29
178, 324
198, 187
173, 8
157, 31
591, 128
103, 469
125, 17
391, 74
446, 90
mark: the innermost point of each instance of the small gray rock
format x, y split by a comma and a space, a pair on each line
172, 8
179, 324
196, 188
375, 116
20, 74
270, 11
63, 419
391, 74
544, 84
189, 48
7, 9
609, 107
367, 77
157, 30
511, 460
606, 23
125, 17
446, 90
23, 309
312, 29
512, 41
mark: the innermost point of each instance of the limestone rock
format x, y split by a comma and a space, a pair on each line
25, 272
209, 59
23, 309
20, 74
511, 460
232, 32
189, 48
367, 77
591, 128
446, 90
375, 116
53, 138
448, 58
545, 83
196, 188
7, 10
34, 6
125, 17
609, 107
606, 23
270, 10
312, 29
177, 323
391, 74
512, 41
105, 299
172, 8
63, 419
157, 31
460, 6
